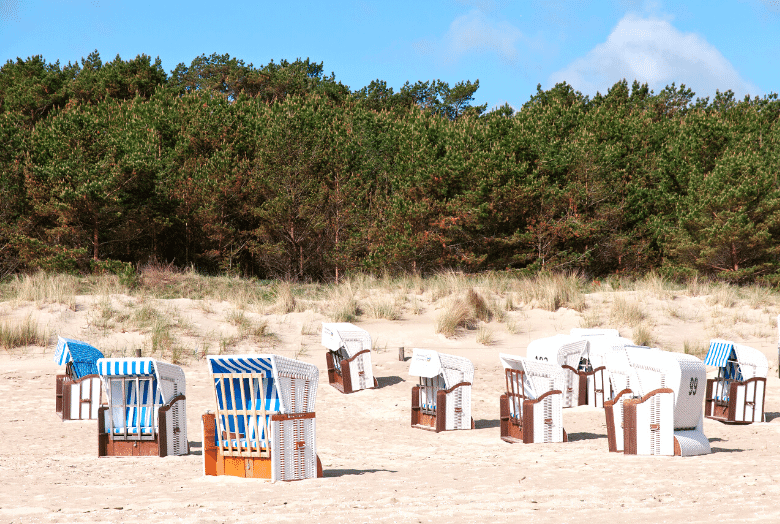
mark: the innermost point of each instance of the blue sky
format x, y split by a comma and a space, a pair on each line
510, 46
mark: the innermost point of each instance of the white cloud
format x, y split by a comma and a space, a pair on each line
652, 50
474, 32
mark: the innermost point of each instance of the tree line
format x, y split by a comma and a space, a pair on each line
283, 171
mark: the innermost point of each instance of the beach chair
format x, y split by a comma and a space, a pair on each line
264, 426
585, 384
442, 399
349, 357
659, 408
601, 342
78, 391
531, 408
736, 395
145, 413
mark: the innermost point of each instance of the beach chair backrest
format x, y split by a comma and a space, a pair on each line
456, 369
346, 337
249, 390
79, 357
559, 349
621, 374
600, 346
427, 365
134, 397
684, 374
752, 363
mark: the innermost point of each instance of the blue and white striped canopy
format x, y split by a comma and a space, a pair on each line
719, 353
82, 355
125, 366
245, 364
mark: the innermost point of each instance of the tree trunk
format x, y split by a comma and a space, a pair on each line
95, 240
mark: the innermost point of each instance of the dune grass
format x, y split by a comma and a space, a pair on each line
461, 302
22, 334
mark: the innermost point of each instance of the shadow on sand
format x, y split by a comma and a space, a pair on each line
388, 381
342, 472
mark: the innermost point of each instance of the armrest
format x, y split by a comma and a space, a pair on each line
647, 397
168, 405
532, 401
356, 355
610, 403
456, 386
292, 416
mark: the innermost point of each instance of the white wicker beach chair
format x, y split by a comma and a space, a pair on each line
601, 342
442, 400
571, 354
531, 408
146, 412
736, 395
659, 408
265, 425
349, 357
78, 391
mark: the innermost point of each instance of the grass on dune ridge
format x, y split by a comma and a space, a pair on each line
464, 305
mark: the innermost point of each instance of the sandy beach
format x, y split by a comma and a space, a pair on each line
376, 467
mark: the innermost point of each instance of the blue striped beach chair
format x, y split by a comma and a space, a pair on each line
78, 391
737, 394
349, 357
658, 406
531, 408
442, 399
145, 413
264, 425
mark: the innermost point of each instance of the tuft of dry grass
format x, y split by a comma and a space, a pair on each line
285, 301
513, 326
485, 336
343, 306
553, 291
43, 288
697, 349
723, 295
22, 334
758, 296
479, 307
590, 319
455, 314
383, 308
627, 313
643, 335
656, 286
697, 287
447, 283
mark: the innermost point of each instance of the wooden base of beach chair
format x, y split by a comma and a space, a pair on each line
256, 468
156, 446
343, 381
745, 404
516, 431
83, 394
430, 420
216, 464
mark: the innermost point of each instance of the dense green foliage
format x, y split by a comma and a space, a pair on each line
283, 171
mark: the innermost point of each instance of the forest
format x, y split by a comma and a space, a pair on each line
281, 171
